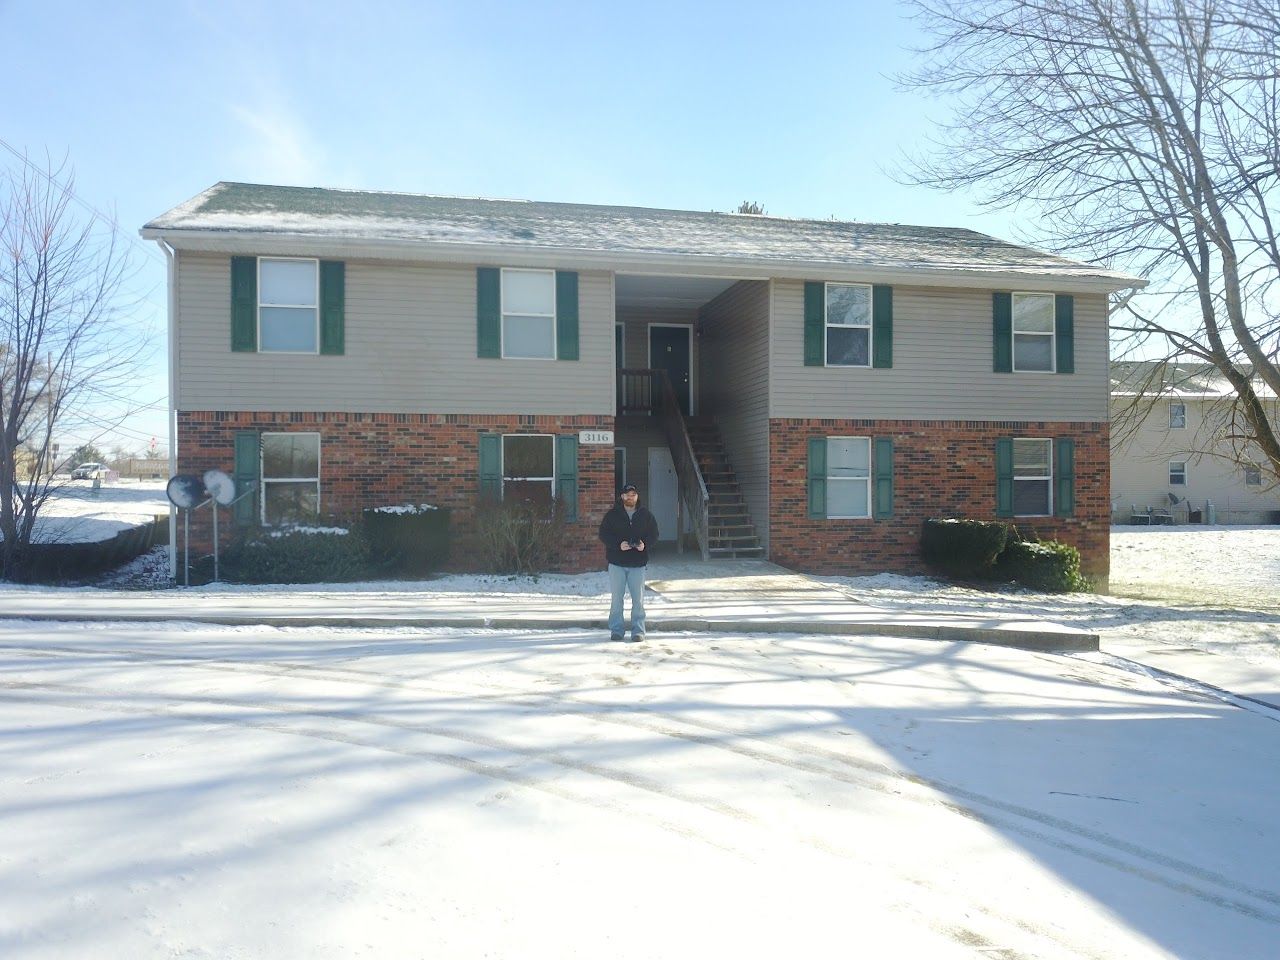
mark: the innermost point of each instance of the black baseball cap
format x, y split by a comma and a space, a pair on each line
628, 488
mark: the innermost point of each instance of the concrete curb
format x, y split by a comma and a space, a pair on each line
1047, 641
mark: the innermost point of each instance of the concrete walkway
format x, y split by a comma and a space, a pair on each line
743, 596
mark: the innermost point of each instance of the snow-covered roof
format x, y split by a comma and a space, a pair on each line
1191, 381
362, 217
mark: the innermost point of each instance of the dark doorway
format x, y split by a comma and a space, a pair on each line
669, 351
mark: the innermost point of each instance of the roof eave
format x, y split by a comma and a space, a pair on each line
252, 242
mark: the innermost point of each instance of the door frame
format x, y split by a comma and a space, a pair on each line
693, 367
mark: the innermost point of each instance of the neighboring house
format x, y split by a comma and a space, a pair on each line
1170, 459
806, 390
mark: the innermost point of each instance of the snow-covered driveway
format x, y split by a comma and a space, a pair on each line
201, 791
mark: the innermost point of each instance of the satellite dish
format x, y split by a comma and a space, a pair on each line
220, 486
186, 490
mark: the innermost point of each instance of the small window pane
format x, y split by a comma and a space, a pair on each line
290, 455
528, 337
288, 328
291, 502
848, 457
847, 498
1033, 313
1032, 352
528, 292
1253, 476
527, 456
289, 282
1030, 458
1177, 474
1031, 498
848, 305
527, 491
848, 347
1178, 415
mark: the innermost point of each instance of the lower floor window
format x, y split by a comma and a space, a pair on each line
848, 477
1032, 478
1177, 473
290, 478
528, 468
1253, 475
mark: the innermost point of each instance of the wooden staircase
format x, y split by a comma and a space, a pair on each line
731, 532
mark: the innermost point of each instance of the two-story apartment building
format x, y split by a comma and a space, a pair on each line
805, 390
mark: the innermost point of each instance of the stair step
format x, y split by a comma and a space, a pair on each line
734, 552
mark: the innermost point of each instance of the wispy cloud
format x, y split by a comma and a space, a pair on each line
277, 146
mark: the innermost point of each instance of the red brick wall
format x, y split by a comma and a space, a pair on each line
380, 459
942, 468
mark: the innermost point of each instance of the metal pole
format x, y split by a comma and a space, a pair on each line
215, 541
186, 547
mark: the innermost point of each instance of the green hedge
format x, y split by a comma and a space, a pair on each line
1043, 565
963, 548
298, 555
409, 539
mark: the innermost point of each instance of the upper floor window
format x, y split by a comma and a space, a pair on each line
1252, 475
848, 477
848, 324
290, 477
529, 313
1032, 478
1033, 325
1177, 416
288, 305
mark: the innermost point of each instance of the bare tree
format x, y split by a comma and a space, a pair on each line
62, 347
1143, 134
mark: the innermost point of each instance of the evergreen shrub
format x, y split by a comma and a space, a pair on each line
963, 548
412, 539
1043, 565
298, 555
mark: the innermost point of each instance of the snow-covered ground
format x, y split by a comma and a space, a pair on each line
201, 791
1229, 566
77, 513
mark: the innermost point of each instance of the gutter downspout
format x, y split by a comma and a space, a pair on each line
172, 264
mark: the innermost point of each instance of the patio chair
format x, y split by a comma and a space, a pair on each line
1139, 517
1163, 515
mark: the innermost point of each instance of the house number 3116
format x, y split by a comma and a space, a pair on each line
596, 436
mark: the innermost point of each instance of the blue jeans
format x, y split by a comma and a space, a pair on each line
626, 579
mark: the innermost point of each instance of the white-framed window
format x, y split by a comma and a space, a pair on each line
290, 478
528, 314
848, 324
1033, 320
1177, 473
1177, 416
1252, 475
288, 305
529, 467
1032, 477
848, 478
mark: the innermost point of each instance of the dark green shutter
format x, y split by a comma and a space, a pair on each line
1002, 332
244, 304
818, 478
491, 466
1004, 477
882, 326
1064, 477
883, 509
1064, 331
815, 321
333, 306
567, 475
488, 312
247, 452
566, 315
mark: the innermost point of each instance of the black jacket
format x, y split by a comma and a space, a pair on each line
617, 527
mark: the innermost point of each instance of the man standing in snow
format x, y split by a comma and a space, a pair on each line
627, 531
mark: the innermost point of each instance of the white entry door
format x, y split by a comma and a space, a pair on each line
663, 491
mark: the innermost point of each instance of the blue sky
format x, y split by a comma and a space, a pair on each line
695, 106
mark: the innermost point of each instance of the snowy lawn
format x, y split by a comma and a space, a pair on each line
76, 513
191, 791
1226, 566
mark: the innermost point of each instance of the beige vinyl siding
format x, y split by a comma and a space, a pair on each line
735, 387
1140, 466
410, 348
941, 365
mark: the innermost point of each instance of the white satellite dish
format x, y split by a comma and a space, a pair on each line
220, 486
186, 490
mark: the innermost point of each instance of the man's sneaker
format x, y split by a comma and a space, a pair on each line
635, 638
615, 638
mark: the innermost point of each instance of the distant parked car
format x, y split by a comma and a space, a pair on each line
88, 471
